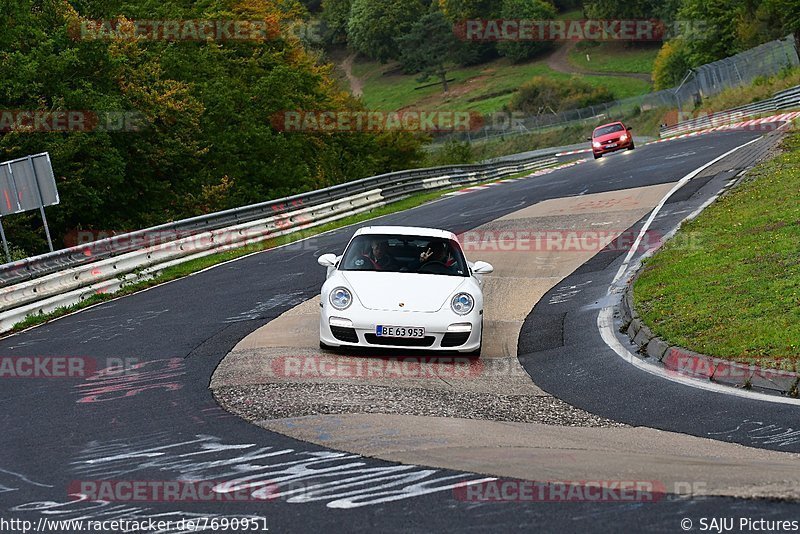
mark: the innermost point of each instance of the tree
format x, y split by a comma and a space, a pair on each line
428, 47
718, 37
671, 64
460, 10
375, 26
771, 19
631, 9
335, 15
205, 141
518, 51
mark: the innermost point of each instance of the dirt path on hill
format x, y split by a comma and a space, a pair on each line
356, 85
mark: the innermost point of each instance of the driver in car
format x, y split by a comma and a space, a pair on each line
377, 256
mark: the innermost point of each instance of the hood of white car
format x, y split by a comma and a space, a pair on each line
416, 292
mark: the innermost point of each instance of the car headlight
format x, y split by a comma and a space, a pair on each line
341, 298
623, 137
596, 144
462, 303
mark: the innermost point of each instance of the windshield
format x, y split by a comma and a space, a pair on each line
404, 254
605, 130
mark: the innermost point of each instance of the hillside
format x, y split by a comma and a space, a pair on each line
483, 88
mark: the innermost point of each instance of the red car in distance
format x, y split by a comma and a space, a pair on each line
610, 138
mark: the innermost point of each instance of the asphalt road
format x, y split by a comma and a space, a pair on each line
160, 422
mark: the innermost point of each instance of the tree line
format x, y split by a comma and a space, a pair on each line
418, 33
203, 139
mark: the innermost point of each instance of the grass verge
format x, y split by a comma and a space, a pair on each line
192, 266
728, 285
614, 56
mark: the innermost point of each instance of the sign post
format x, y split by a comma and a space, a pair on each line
41, 201
5, 243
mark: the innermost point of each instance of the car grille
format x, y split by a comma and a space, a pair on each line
344, 334
454, 339
426, 341
611, 141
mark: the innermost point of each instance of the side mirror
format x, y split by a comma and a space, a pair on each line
588, 138
630, 128
327, 260
481, 267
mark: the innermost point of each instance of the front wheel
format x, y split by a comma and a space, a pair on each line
632, 146
598, 156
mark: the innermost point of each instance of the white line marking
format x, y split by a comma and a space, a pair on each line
683, 181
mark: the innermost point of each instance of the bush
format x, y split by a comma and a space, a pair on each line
544, 94
452, 152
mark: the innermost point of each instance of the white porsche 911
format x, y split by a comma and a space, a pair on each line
398, 286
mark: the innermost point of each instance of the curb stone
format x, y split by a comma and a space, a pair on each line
700, 366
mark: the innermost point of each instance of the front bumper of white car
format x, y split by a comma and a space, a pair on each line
444, 329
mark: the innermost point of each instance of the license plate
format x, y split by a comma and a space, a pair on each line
399, 331
612, 145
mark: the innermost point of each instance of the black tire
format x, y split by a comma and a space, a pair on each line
598, 156
632, 146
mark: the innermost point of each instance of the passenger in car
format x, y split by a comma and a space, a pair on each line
437, 254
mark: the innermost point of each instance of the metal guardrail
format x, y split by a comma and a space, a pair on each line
43, 283
786, 99
37, 266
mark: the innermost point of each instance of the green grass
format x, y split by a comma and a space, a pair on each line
614, 57
192, 266
484, 88
729, 284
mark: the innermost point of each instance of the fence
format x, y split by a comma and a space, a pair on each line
702, 82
